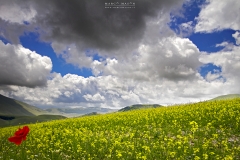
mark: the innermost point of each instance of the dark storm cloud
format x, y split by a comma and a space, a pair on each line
90, 24
85, 23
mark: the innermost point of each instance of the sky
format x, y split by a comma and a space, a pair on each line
79, 53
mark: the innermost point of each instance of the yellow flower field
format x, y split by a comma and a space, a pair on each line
205, 130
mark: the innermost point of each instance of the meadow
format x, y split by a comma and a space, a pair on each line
205, 130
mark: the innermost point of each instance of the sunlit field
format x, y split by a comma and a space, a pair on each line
206, 130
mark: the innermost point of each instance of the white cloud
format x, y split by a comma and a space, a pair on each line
72, 54
129, 83
228, 60
219, 15
16, 14
113, 92
20, 66
236, 35
186, 29
94, 98
158, 56
172, 58
223, 44
212, 76
163, 72
162, 68
69, 90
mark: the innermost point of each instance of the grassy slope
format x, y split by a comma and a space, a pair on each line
205, 130
228, 96
139, 106
9, 106
22, 113
32, 109
28, 120
91, 114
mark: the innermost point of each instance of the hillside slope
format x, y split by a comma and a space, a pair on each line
78, 111
6, 121
204, 130
9, 106
139, 106
14, 112
228, 96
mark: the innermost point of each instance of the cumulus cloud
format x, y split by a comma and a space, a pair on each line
86, 24
236, 35
212, 76
114, 92
143, 61
16, 12
74, 90
158, 56
15, 19
172, 58
223, 44
94, 98
22, 67
186, 29
11, 32
72, 54
228, 60
218, 15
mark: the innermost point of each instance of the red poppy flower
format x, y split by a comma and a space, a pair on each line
19, 136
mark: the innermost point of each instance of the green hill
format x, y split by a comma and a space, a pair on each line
139, 106
228, 96
6, 121
9, 106
80, 111
91, 114
14, 112
203, 130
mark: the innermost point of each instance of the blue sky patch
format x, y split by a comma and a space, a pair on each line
210, 67
32, 42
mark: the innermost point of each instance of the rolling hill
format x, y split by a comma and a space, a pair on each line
9, 106
139, 106
224, 97
6, 121
14, 112
74, 112
205, 130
